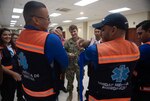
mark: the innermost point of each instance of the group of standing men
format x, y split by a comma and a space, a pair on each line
116, 62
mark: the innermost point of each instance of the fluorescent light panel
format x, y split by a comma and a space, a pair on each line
81, 13
82, 18
53, 24
12, 25
85, 2
55, 14
67, 21
119, 10
15, 16
17, 10
13, 21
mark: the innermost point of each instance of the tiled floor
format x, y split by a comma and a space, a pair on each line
63, 96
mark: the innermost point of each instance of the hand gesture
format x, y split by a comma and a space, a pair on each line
58, 32
81, 43
16, 76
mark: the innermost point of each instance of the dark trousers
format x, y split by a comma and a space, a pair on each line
8, 88
19, 90
90, 73
140, 96
62, 81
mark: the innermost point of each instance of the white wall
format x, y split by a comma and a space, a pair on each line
149, 15
80, 30
83, 30
133, 20
90, 32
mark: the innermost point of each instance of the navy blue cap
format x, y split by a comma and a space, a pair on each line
114, 19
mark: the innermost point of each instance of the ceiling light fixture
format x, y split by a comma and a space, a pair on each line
13, 21
55, 14
12, 25
82, 18
67, 21
17, 10
53, 24
120, 10
81, 13
84, 2
15, 16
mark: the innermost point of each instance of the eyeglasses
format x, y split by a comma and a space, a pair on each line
48, 18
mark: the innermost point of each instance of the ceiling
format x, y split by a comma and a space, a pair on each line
93, 11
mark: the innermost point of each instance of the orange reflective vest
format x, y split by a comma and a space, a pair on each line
37, 74
111, 80
113, 99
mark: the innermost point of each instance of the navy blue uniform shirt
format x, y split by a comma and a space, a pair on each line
54, 49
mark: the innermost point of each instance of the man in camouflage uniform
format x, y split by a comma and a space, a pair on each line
73, 53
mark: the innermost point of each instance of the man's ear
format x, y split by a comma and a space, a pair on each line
114, 30
35, 20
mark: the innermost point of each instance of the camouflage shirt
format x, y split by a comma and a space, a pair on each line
71, 47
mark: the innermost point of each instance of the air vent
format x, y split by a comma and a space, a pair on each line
63, 9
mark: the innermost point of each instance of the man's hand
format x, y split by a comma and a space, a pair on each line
58, 32
16, 76
81, 43
71, 55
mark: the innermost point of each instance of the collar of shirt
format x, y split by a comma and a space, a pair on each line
9, 47
32, 27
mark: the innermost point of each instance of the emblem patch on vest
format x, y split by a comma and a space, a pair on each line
23, 61
120, 73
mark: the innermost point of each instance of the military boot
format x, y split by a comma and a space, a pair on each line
69, 98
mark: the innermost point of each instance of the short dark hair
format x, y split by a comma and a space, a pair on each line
59, 27
141, 23
146, 26
31, 8
2, 30
72, 27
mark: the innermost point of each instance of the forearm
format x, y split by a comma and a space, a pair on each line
7, 71
86, 43
69, 54
15, 75
62, 58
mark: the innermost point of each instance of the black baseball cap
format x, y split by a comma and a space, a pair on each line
114, 19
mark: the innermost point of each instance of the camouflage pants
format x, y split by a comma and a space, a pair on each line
70, 73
